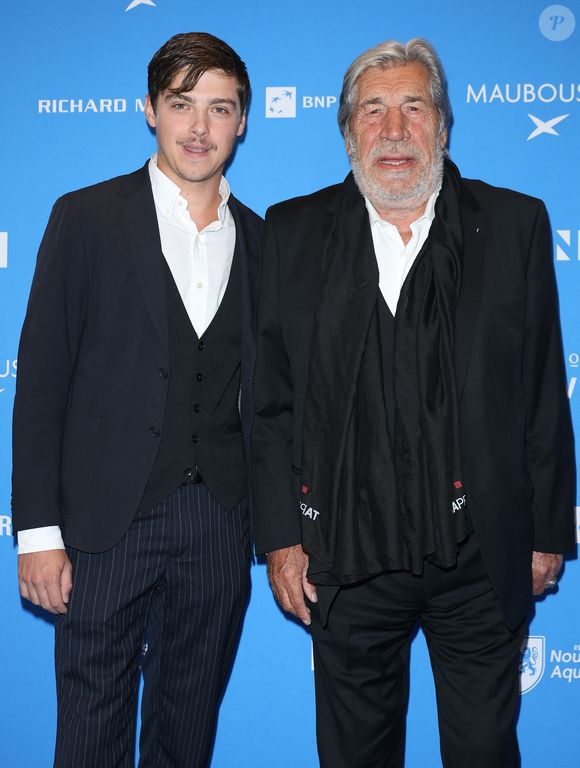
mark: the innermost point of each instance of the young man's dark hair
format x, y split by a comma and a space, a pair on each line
193, 53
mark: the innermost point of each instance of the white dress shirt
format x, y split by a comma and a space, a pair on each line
394, 258
200, 262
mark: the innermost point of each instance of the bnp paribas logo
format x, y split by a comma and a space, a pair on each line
281, 101
532, 662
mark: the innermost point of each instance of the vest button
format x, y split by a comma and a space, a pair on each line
195, 439
197, 407
199, 376
155, 431
188, 472
164, 373
201, 346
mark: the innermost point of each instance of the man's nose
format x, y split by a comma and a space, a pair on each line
394, 125
198, 124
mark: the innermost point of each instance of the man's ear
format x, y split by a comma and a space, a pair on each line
149, 112
348, 142
242, 125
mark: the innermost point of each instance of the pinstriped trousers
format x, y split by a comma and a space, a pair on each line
180, 576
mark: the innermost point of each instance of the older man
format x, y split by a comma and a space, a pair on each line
413, 453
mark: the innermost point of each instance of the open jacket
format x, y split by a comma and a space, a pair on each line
93, 362
515, 429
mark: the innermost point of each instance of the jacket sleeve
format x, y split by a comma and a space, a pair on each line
275, 517
549, 439
46, 358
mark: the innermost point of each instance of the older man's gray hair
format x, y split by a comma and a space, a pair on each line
392, 53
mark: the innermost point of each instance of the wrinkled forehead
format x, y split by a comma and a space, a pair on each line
406, 79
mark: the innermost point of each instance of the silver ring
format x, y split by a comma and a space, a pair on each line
550, 584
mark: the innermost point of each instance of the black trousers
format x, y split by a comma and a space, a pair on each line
181, 576
361, 658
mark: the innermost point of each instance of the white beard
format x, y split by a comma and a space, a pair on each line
399, 195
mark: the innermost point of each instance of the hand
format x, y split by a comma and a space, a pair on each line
287, 573
545, 567
45, 579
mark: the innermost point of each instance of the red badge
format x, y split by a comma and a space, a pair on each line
458, 484
304, 489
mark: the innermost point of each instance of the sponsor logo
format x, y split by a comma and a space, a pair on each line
532, 662
5, 525
308, 511
557, 23
86, 106
3, 250
566, 664
135, 3
7, 371
523, 93
545, 126
318, 102
566, 247
578, 524
528, 93
281, 101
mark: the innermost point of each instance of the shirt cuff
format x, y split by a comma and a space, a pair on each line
39, 539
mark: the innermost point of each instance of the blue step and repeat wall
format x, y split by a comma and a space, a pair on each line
72, 114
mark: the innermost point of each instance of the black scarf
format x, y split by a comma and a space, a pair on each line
371, 502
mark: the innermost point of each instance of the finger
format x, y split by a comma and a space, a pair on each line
24, 590
290, 598
44, 598
309, 589
54, 596
33, 595
66, 582
538, 583
296, 597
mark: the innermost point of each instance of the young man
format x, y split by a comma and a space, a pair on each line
130, 429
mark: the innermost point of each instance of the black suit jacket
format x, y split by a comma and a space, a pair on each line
93, 356
516, 436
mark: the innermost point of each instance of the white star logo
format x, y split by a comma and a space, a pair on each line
546, 126
135, 3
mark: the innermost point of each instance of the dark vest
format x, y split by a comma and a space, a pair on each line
201, 428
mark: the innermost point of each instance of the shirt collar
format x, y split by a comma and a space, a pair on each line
426, 217
166, 193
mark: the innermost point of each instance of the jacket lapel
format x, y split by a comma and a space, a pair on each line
469, 304
144, 245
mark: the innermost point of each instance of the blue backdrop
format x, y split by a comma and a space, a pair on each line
71, 114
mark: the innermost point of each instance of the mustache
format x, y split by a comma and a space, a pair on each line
198, 143
395, 149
